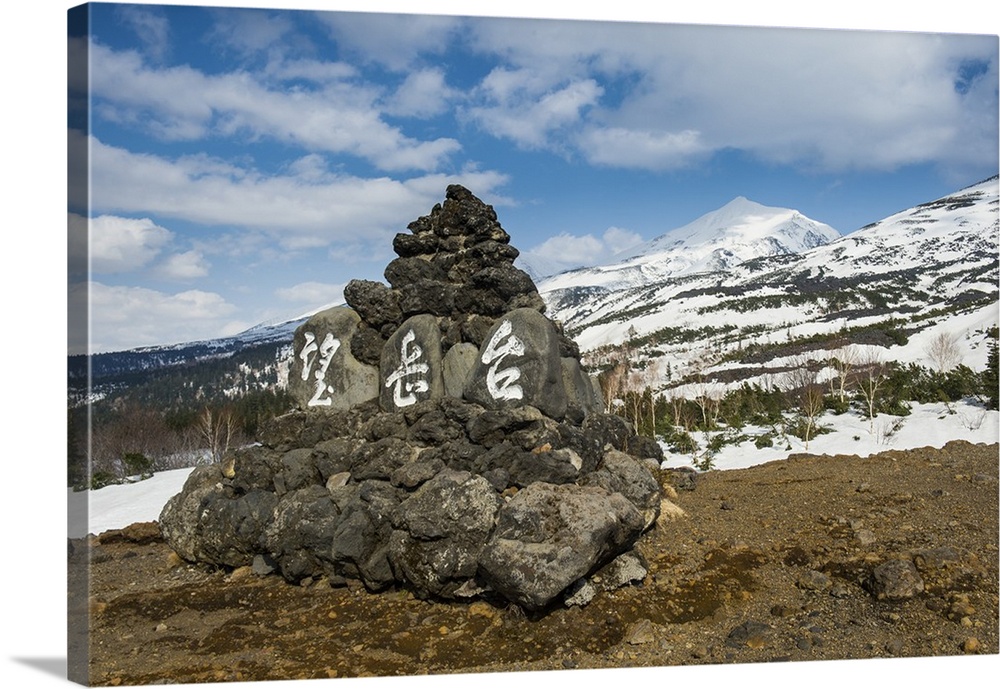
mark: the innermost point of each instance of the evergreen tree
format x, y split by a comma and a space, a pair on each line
989, 380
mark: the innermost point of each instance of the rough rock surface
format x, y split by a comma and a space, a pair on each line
447, 440
325, 373
722, 588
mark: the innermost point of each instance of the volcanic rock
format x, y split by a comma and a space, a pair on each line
446, 439
324, 372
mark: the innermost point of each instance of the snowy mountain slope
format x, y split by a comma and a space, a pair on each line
720, 240
954, 232
277, 332
927, 268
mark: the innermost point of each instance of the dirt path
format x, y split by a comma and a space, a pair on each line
770, 563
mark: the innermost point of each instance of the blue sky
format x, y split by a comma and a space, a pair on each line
247, 163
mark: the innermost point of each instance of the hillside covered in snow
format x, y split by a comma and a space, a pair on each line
897, 283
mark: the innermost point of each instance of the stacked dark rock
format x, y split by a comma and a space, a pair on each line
447, 440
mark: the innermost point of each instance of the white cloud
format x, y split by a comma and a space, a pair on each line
395, 41
567, 251
305, 207
423, 93
313, 293
339, 117
128, 317
618, 239
820, 99
249, 31
318, 71
185, 266
151, 26
636, 148
119, 245
518, 110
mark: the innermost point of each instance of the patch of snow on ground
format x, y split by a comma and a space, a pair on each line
927, 425
115, 507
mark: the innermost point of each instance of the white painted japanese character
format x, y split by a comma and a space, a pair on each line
408, 376
326, 350
502, 384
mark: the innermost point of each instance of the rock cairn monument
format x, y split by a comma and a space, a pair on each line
446, 440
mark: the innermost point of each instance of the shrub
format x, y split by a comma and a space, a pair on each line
137, 464
764, 440
679, 441
99, 479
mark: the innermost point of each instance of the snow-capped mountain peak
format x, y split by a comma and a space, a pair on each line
743, 223
739, 231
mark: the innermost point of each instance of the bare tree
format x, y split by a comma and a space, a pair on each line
612, 382
639, 396
870, 377
843, 362
218, 430
944, 352
676, 403
812, 405
708, 397
802, 385
133, 431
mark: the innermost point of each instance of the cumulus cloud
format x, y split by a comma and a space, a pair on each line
126, 317
150, 26
567, 251
119, 245
423, 93
820, 99
184, 266
395, 41
641, 148
313, 293
250, 32
338, 117
529, 118
318, 71
293, 207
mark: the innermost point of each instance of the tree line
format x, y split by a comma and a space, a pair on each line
789, 400
128, 438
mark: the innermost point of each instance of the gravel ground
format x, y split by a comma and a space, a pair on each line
810, 558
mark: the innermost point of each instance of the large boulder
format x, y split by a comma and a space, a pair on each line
206, 522
441, 530
411, 368
323, 371
519, 364
549, 536
376, 304
581, 395
622, 473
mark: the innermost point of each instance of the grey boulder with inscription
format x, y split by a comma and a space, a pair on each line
410, 371
323, 372
581, 396
445, 438
519, 365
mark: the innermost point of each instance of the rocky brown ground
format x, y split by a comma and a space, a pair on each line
769, 563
